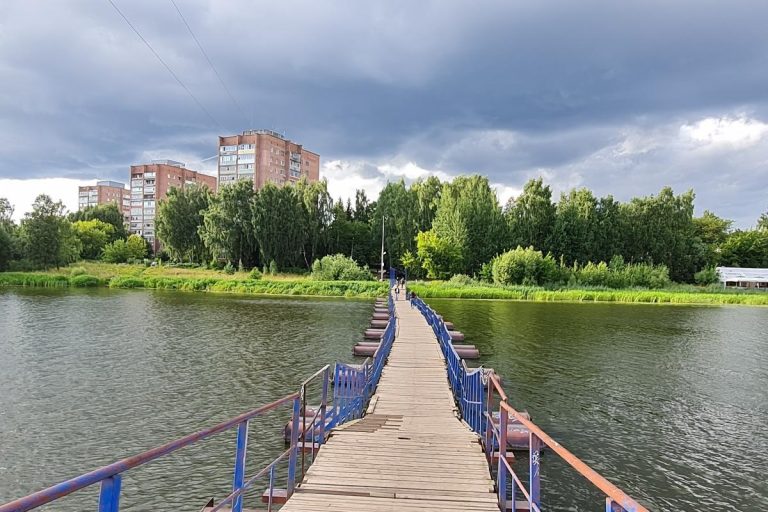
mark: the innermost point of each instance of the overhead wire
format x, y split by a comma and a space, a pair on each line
208, 59
174, 75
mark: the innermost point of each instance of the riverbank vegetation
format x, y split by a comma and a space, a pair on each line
679, 294
90, 274
432, 229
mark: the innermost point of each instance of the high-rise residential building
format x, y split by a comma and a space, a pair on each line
265, 157
149, 184
104, 192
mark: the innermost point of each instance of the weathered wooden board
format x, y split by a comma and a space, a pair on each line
410, 452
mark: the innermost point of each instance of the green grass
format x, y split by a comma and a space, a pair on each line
90, 274
205, 280
680, 294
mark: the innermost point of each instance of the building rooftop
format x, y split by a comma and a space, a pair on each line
169, 162
265, 132
747, 275
109, 183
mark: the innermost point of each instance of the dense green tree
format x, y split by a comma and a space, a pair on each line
660, 230
121, 251
398, 207
427, 198
440, 258
109, 213
178, 218
575, 229
469, 215
317, 205
93, 235
363, 207
712, 231
531, 216
609, 232
745, 249
279, 222
762, 221
47, 234
7, 234
227, 229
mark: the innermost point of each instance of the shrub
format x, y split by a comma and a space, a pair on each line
84, 281
706, 276
255, 274
76, 271
617, 274
339, 268
116, 252
126, 282
461, 280
229, 269
486, 272
524, 266
273, 268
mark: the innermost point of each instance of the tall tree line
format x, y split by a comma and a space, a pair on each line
435, 229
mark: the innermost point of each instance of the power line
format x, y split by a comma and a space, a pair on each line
210, 62
166, 66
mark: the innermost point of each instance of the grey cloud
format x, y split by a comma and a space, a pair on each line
508, 89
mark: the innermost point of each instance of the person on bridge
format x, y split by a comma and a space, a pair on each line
397, 292
413, 298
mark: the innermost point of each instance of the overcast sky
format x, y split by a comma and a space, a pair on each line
620, 97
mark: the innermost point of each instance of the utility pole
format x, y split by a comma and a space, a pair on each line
381, 277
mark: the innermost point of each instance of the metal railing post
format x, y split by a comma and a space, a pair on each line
239, 478
489, 440
294, 447
271, 488
534, 469
109, 495
323, 405
303, 397
501, 475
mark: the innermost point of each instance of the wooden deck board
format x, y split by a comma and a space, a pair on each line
412, 452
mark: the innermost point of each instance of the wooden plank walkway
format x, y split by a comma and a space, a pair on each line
411, 452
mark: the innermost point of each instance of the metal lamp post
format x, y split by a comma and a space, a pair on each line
381, 277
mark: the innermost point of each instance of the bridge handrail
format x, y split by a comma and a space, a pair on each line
66, 487
354, 387
110, 476
464, 383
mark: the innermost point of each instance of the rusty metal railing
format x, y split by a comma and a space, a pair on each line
476, 391
110, 476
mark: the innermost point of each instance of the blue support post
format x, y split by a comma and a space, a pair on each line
534, 469
271, 488
501, 475
489, 440
323, 406
109, 495
239, 478
294, 448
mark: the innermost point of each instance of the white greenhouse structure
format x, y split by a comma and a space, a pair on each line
744, 277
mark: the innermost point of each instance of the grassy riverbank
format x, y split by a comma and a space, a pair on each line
86, 274
680, 294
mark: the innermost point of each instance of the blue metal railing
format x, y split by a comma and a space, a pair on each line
466, 384
110, 476
355, 384
476, 390
353, 389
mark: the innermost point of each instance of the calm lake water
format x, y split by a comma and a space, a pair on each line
670, 403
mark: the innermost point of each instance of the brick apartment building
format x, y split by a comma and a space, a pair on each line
149, 184
104, 192
265, 157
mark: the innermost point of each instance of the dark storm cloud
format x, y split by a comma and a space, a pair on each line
508, 89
